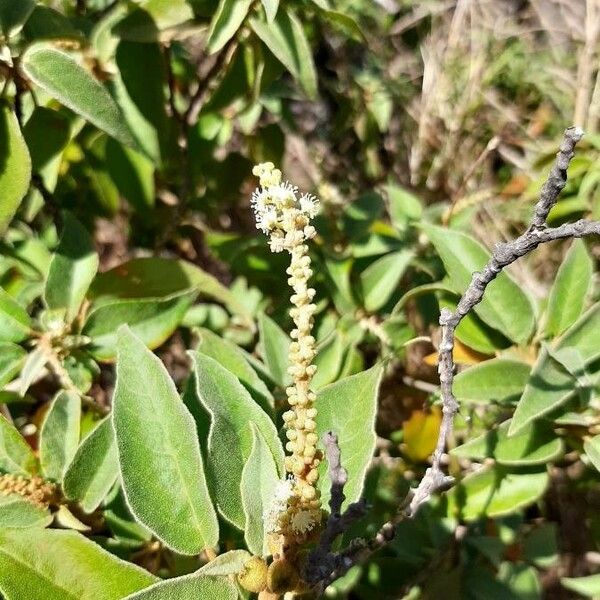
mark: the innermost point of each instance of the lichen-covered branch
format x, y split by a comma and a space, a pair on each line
322, 562
503, 255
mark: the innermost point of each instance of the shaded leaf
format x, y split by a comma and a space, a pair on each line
380, 279
505, 306
230, 439
495, 492
275, 344
14, 14
47, 133
15, 323
59, 435
72, 269
259, 481
15, 174
233, 358
552, 382
570, 289
94, 468
153, 321
11, 361
537, 445
151, 17
16, 456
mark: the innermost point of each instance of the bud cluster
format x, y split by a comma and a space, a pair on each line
285, 218
35, 490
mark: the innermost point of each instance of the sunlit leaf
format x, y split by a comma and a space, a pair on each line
62, 76
159, 454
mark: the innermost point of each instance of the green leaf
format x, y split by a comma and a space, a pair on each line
259, 481
59, 436
16, 456
151, 295
47, 23
473, 332
72, 269
226, 21
329, 360
592, 450
151, 17
505, 306
133, 175
15, 174
586, 586
270, 7
498, 379
189, 586
570, 289
403, 206
47, 133
11, 361
229, 563
153, 321
139, 89
63, 77
14, 14
285, 38
380, 279
94, 468
15, 323
346, 24
348, 408
551, 383
159, 454
275, 344
495, 492
230, 439
537, 445
234, 360
32, 369
159, 278
50, 564
16, 512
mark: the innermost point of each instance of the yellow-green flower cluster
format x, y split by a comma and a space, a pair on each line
285, 217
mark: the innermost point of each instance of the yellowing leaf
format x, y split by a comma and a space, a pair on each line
421, 433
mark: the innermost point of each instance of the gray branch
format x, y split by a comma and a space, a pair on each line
434, 480
322, 562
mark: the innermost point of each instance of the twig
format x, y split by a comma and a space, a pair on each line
321, 561
503, 255
195, 106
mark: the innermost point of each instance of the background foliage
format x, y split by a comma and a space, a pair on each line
127, 135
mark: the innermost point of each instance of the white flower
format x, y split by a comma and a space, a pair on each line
304, 521
284, 491
266, 220
309, 205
